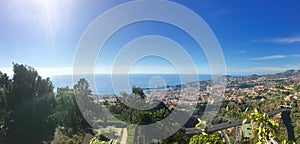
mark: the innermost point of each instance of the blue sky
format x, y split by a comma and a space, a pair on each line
255, 36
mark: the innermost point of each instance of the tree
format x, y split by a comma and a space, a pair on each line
67, 113
62, 136
265, 128
99, 139
178, 138
85, 101
82, 86
204, 137
30, 100
5, 113
139, 91
23, 86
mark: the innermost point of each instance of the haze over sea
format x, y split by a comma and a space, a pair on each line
102, 84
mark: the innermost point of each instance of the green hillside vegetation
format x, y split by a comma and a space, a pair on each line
32, 113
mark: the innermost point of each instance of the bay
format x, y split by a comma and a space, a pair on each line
103, 84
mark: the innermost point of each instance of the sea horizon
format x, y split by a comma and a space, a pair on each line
101, 84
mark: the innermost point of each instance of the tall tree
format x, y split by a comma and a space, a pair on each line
23, 86
139, 91
66, 113
30, 100
85, 102
5, 113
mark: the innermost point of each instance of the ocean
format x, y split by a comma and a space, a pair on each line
102, 84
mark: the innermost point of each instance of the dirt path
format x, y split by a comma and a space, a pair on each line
124, 136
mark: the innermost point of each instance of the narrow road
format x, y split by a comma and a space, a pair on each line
124, 136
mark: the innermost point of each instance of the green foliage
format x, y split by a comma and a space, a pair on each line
62, 136
84, 99
297, 88
99, 139
30, 111
286, 142
143, 118
67, 112
68, 115
134, 116
82, 87
30, 99
266, 129
159, 115
5, 113
204, 137
178, 138
138, 91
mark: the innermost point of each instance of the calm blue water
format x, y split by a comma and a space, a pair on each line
102, 83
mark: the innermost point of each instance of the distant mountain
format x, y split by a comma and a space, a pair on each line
291, 71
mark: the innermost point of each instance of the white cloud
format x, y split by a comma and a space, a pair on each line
270, 57
263, 69
276, 57
282, 40
287, 40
